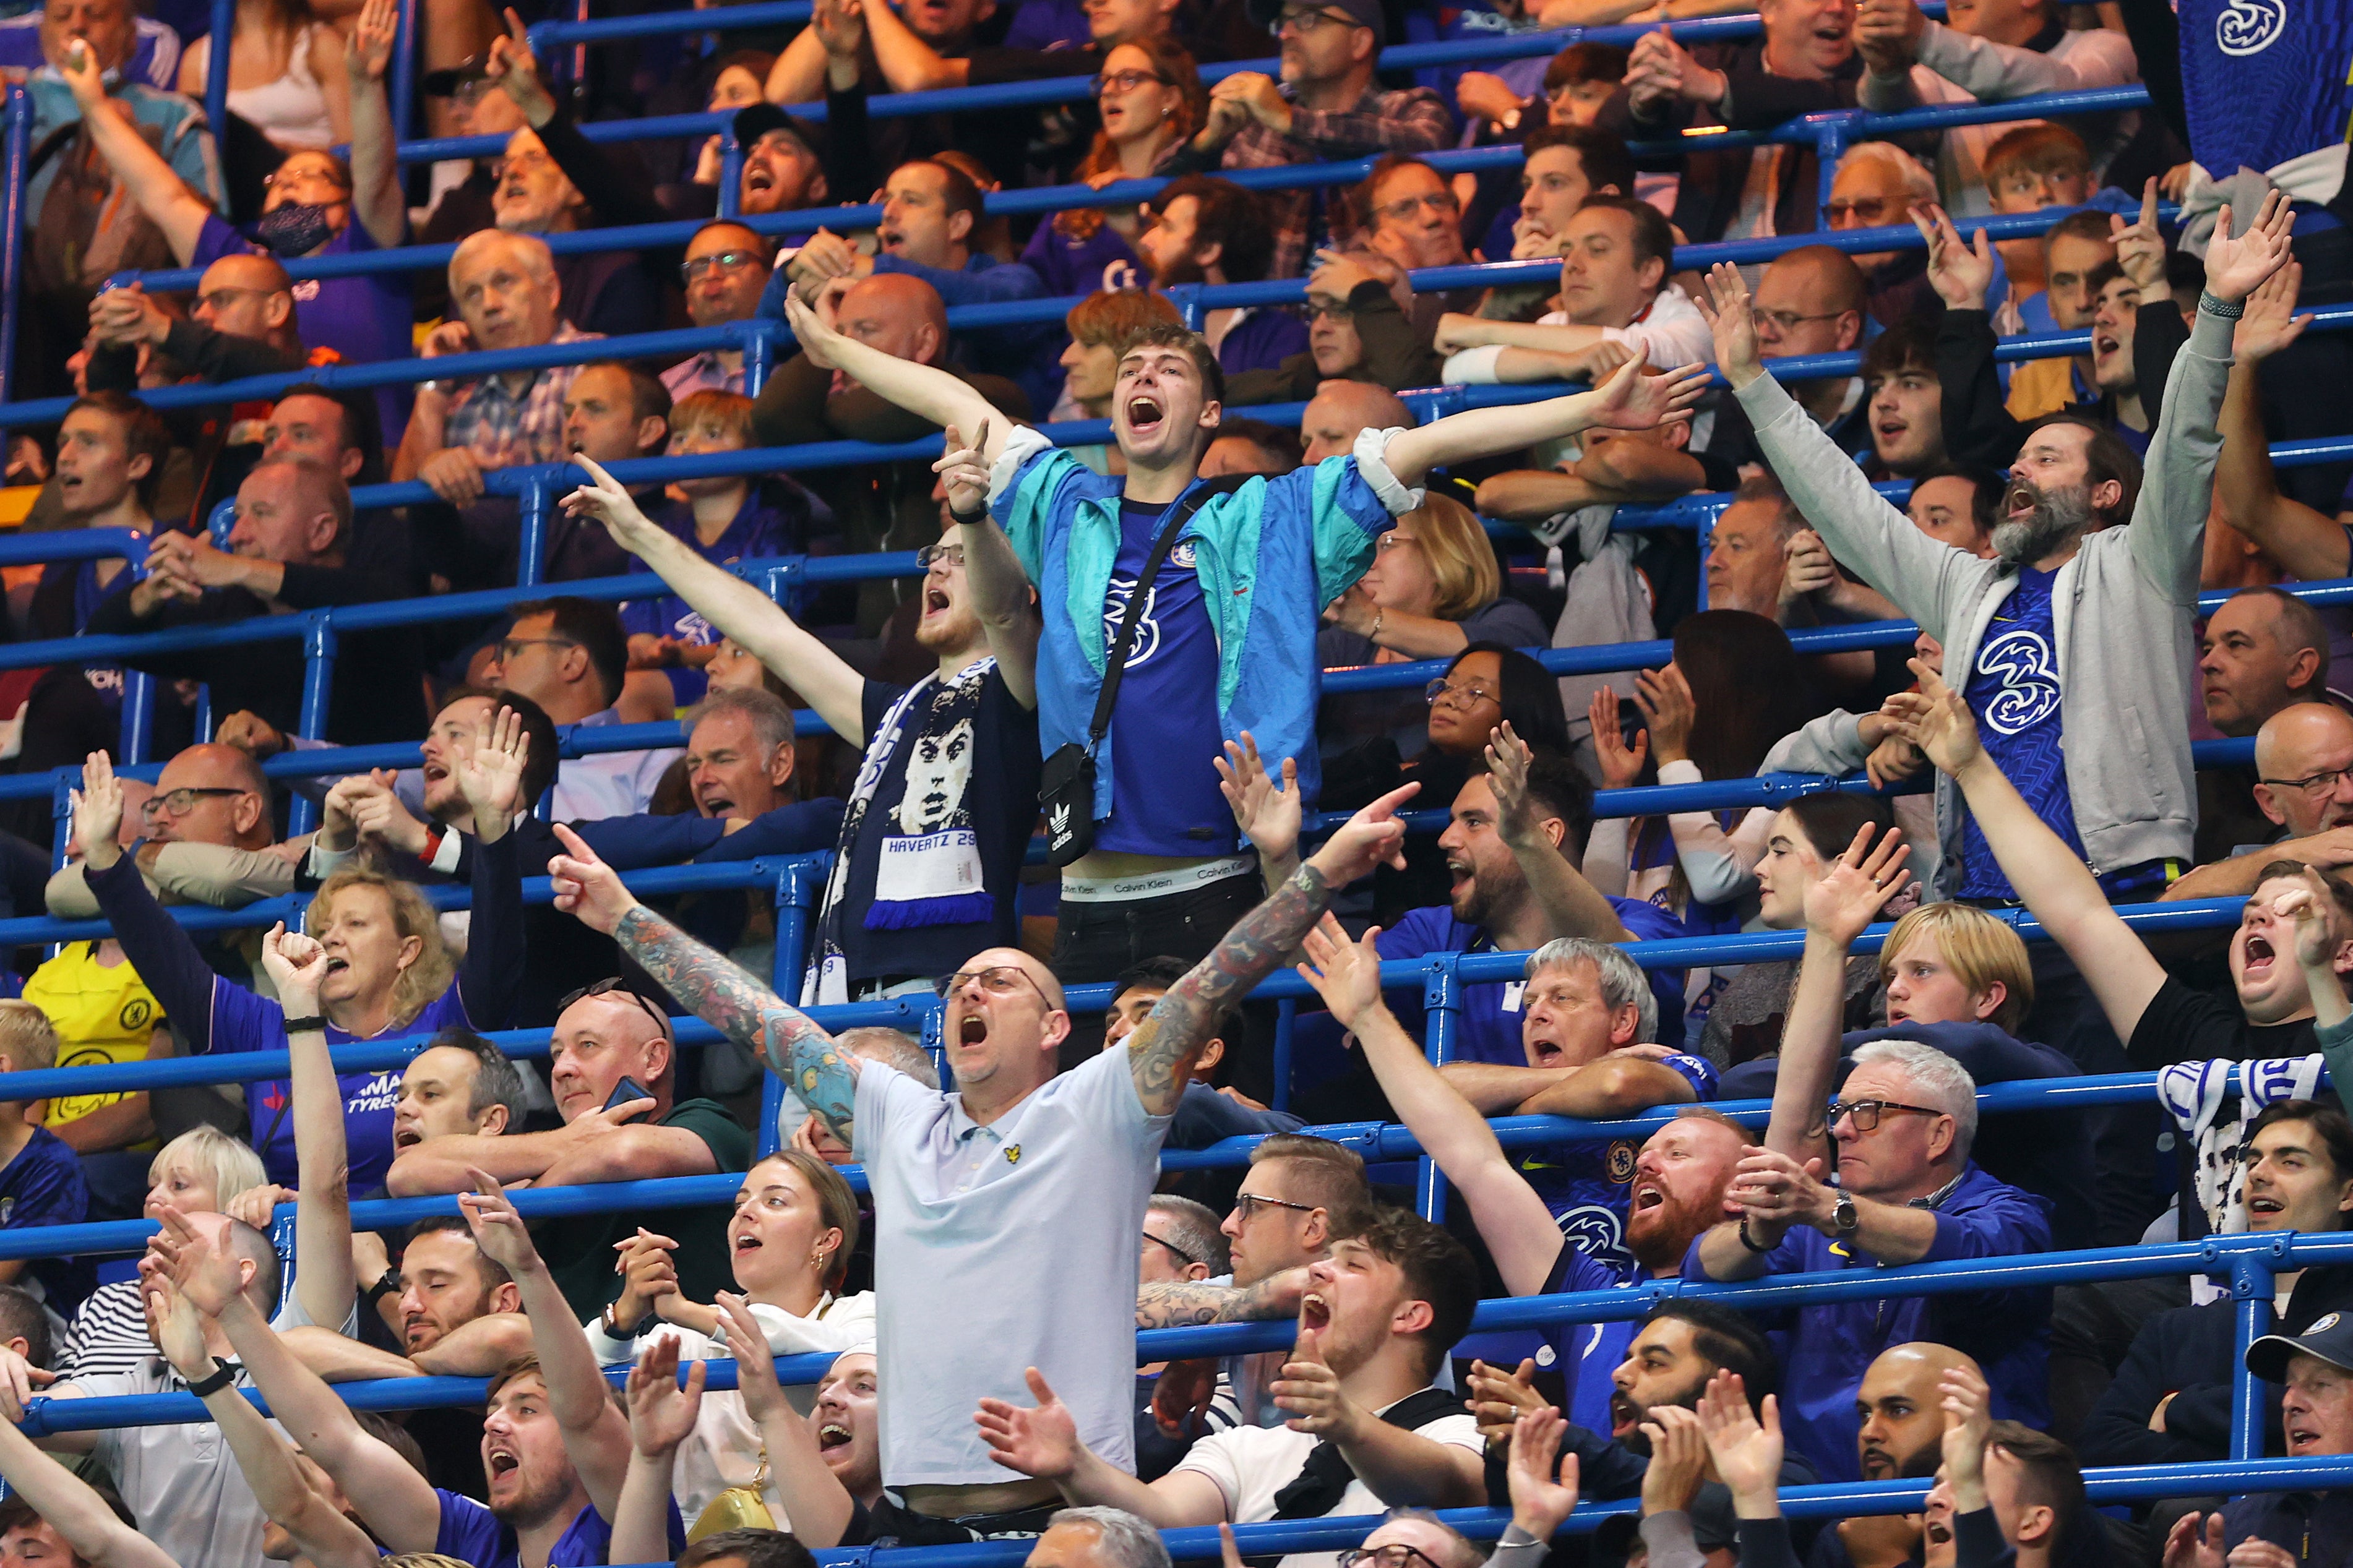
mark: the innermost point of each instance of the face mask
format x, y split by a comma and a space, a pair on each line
294, 230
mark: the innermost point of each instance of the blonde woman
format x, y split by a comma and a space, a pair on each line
794, 1226
390, 974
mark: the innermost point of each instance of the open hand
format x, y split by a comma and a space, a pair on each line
1732, 317
1540, 1503
1744, 1444
1678, 1460
1669, 711
1620, 763
1857, 885
2271, 322
488, 769
1499, 1398
661, 1413
1347, 975
1042, 1441
2237, 266
1631, 400
98, 813
756, 1364
2196, 1541
368, 51
1267, 812
1959, 273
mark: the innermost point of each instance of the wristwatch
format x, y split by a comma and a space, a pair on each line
1843, 1216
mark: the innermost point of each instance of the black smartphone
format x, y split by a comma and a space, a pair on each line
628, 1089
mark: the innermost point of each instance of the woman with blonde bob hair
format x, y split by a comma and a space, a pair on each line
388, 972
794, 1226
1433, 589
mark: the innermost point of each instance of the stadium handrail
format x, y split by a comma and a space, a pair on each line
1842, 126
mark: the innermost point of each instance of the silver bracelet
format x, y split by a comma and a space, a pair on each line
2213, 307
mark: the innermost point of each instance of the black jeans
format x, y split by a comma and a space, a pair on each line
1094, 942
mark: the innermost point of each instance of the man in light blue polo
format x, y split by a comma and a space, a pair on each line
1007, 1210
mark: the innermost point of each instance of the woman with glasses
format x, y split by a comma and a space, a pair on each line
793, 1229
388, 970
1151, 102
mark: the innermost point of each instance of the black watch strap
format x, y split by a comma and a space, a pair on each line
223, 1374
1749, 1241
386, 1283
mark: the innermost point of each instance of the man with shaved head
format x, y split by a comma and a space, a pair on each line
1009, 1209
286, 555
2303, 773
880, 506
1900, 1438
1343, 410
1810, 300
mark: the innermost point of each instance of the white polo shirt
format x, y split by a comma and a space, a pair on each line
1002, 1247
181, 1483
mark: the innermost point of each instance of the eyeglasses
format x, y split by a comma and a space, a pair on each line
510, 648
1403, 209
1439, 692
1397, 1554
526, 159
1309, 21
950, 555
272, 181
1870, 211
1247, 1205
1175, 1251
1125, 81
726, 261
180, 802
1396, 539
2324, 783
616, 987
1866, 1112
1335, 309
996, 980
1787, 321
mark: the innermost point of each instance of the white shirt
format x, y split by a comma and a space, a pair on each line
609, 784
1251, 1463
1002, 1247
1670, 333
181, 1483
725, 1449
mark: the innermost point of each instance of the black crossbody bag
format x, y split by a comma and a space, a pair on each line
1066, 785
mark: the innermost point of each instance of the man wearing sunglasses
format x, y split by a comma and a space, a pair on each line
1006, 1212
1907, 1192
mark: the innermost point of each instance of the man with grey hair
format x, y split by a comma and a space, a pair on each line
507, 297
739, 753
1098, 1538
1908, 1193
286, 555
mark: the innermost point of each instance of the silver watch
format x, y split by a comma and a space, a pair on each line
1843, 1216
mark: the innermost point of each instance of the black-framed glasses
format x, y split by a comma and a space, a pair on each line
996, 980
1308, 21
1247, 1205
2322, 783
1125, 81
1466, 696
1868, 211
180, 802
1337, 310
1395, 1554
1866, 1112
1174, 1250
945, 554
614, 986
724, 260
510, 648
1788, 321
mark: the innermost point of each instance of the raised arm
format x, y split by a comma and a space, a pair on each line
323, 1280
154, 187
595, 1434
68, 1505
2057, 888
1178, 1025
1572, 906
376, 200
2308, 543
396, 1502
908, 64
925, 391
1627, 401
325, 1537
1000, 589
813, 1498
1512, 1219
721, 994
1838, 909
157, 945
662, 1414
732, 605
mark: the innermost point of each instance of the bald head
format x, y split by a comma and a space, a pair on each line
1903, 1420
2301, 742
1341, 410
1828, 277
900, 314
246, 297
2262, 650
240, 820
1809, 301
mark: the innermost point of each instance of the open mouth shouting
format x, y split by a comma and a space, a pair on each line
2020, 501
1145, 415
833, 1439
1546, 1053
2105, 347
2261, 956
1314, 1312
1648, 1195
1623, 1415
936, 601
501, 1465
1938, 1530
973, 1030
2262, 1206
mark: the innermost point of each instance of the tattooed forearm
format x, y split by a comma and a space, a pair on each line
1191, 1303
720, 993
1179, 1026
